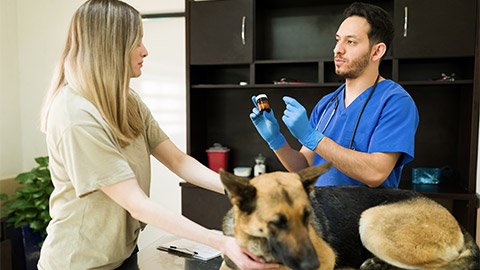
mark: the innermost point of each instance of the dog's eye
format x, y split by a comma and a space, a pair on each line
280, 223
306, 216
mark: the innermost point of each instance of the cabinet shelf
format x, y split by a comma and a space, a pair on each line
250, 86
290, 61
440, 191
332, 84
311, 60
220, 86
420, 83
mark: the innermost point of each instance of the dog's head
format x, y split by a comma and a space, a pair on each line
275, 207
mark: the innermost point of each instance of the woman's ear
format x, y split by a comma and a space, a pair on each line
378, 51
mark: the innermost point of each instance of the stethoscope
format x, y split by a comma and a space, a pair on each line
335, 97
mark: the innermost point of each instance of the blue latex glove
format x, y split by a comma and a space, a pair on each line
268, 127
296, 119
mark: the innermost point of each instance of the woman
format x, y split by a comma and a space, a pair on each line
100, 136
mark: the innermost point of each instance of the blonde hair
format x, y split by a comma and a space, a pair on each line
96, 64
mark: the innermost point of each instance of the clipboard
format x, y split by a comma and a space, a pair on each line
190, 249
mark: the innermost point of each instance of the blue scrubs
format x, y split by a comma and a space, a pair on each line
388, 124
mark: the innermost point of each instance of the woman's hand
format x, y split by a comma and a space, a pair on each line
242, 258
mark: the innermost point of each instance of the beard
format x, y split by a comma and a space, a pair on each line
354, 68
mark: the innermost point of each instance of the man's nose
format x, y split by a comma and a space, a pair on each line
338, 49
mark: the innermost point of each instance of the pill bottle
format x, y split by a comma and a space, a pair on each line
262, 103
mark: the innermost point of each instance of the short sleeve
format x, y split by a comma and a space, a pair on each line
154, 134
92, 159
395, 131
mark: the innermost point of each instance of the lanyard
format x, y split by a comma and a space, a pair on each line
335, 108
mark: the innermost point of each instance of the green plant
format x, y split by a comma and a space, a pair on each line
29, 205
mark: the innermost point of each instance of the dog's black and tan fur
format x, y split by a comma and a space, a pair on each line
282, 218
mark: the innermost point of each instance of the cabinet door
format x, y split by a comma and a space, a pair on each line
221, 32
434, 28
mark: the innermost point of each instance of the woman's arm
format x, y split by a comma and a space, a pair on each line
187, 167
130, 196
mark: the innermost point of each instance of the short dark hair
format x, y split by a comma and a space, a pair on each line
381, 25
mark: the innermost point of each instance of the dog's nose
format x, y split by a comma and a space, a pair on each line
308, 261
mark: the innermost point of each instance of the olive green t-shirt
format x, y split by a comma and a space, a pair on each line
88, 230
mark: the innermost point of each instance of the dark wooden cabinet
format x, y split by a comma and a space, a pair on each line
221, 31
204, 206
294, 39
434, 28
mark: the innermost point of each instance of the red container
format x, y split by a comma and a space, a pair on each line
217, 157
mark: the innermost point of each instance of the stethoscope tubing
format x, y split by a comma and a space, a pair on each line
335, 97
326, 108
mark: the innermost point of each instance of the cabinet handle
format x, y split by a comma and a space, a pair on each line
244, 18
405, 23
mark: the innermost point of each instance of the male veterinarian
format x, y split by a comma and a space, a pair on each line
366, 127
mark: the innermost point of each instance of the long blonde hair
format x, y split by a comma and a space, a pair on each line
96, 64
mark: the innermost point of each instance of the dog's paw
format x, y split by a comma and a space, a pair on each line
374, 264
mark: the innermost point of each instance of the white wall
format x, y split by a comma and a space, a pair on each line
10, 129
32, 34
156, 6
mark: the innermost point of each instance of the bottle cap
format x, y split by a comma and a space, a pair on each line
261, 96
260, 158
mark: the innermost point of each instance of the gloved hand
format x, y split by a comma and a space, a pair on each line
268, 127
296, 119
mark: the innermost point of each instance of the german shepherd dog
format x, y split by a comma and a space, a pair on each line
281, 217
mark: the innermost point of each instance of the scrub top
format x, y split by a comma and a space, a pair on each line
388, 124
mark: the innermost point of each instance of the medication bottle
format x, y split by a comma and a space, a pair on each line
262, 103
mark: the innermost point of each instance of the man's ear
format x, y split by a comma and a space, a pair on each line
378, 51
240, 192
310, 175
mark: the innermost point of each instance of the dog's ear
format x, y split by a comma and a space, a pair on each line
240, 192
310, 175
